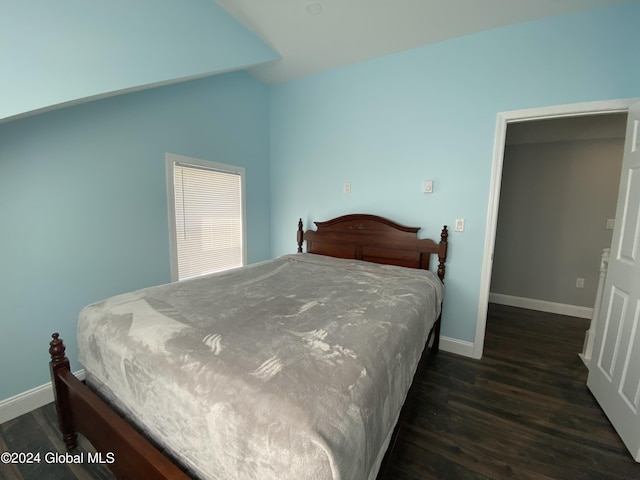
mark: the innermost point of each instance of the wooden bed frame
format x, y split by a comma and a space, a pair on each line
363, 237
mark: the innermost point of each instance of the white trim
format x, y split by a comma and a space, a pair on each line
25, 402
585, 360
459, 347
503, 118
541, 305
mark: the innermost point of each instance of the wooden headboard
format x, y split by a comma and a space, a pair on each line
374, 239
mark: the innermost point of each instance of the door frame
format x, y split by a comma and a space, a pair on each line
502, 121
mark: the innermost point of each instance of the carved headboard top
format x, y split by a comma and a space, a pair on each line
374, 239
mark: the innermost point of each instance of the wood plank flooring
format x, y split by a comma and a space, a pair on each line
38, 431
522, 412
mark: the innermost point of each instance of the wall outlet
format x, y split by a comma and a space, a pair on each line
346, 188
459, 227
579, 282
427, 186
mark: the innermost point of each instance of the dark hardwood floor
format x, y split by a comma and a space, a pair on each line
522, 412
37, 432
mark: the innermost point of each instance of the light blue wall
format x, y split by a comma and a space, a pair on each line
54, 52
83, 203
430, 113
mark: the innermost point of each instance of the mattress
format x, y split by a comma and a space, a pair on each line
293, 368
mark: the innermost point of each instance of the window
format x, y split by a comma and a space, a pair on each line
206, 216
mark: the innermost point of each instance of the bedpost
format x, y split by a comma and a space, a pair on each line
59, 365
300, 236
442, 252
435, 348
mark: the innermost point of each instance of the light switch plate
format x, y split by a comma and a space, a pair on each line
427, 186
459, 227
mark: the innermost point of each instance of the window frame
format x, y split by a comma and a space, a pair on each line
172, 160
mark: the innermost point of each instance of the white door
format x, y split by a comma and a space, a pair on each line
614, 376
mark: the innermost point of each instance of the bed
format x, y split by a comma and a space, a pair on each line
297, 367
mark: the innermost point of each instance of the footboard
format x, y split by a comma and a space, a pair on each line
82, 411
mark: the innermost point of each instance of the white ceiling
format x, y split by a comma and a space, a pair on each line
349, 31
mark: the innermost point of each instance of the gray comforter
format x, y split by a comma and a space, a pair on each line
294, 368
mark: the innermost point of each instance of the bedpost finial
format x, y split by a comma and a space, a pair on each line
300, 236
445, 234
442, 252
57, 349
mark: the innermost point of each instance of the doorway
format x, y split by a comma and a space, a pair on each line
503, 121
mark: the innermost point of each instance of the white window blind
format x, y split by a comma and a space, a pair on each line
208, 216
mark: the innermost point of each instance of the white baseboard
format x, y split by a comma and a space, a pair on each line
541, 305
585, 360
25, 402
459, 347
